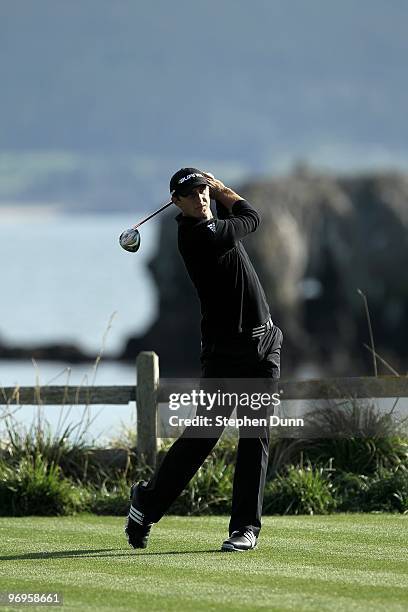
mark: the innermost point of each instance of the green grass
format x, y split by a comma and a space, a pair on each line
338, 562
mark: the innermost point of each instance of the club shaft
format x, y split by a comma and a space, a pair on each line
152, 215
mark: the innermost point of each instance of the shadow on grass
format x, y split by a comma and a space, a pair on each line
95, 553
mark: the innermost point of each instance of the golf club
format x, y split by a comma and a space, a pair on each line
130, 238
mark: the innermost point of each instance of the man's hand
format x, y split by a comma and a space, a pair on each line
216, 187
221, 193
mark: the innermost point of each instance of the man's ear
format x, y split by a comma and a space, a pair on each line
175, 200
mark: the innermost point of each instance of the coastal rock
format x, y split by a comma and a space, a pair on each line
69, 353
321, 239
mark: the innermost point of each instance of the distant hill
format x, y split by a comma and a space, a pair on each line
247, 87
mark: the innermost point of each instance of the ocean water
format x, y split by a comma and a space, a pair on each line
64, 278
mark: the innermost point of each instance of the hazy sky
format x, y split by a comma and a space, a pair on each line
257, 84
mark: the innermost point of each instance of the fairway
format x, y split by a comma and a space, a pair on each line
338, 562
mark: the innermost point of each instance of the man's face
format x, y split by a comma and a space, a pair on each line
196, 203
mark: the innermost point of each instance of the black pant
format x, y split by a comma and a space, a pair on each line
238, 357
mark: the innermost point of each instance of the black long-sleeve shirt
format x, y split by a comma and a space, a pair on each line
231, 295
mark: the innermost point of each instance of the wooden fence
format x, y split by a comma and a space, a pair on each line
150, 390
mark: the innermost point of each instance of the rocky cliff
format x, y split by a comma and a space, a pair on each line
321, 238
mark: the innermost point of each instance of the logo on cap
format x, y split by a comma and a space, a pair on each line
189, 176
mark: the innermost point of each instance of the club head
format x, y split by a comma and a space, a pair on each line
130, 240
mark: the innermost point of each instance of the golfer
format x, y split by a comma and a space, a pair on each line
238, 340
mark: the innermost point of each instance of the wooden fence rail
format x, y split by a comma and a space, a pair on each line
150, 390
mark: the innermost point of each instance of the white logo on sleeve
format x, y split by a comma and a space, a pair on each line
211, 226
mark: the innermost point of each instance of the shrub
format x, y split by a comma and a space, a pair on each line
210, 491
387, 492
284, 452
110, 500
35, 488
359, 455
299, 491
384, 491
349, 490
65, 448
357, 437
79, 461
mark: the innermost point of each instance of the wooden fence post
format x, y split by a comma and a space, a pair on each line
147, 366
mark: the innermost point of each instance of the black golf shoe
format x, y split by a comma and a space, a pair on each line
240, 540
137, 528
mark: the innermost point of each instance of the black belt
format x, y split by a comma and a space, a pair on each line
254, 332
